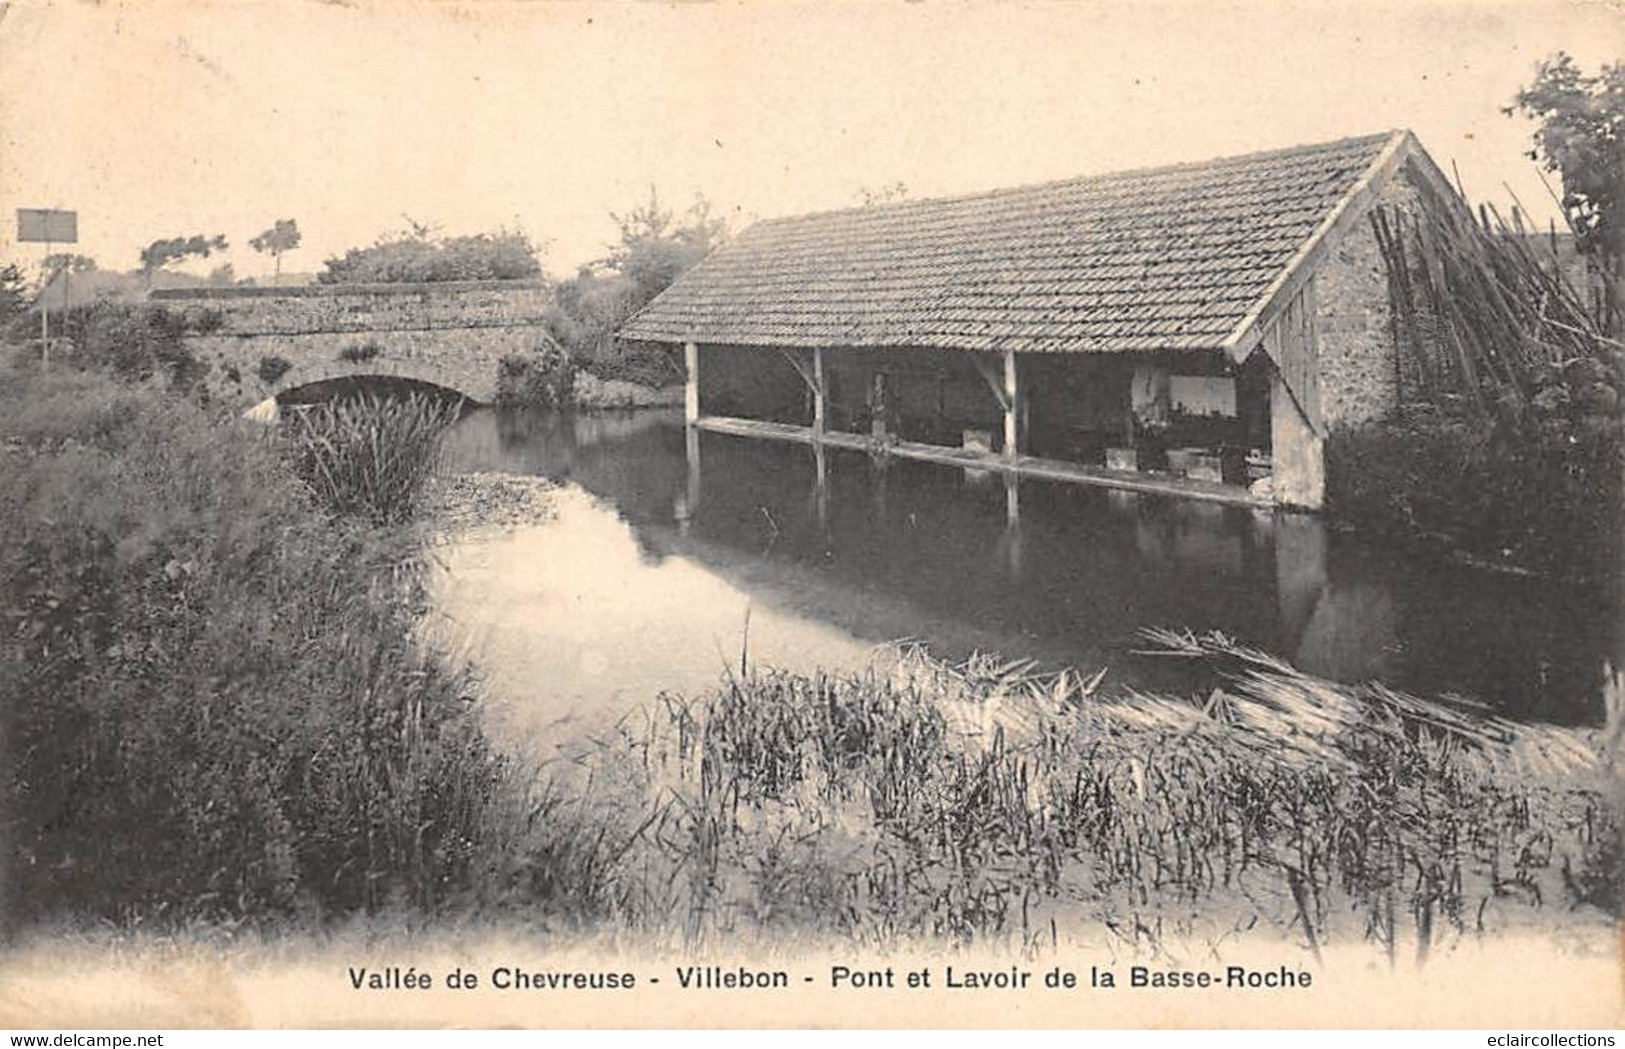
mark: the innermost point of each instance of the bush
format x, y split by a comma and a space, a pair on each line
133, 341
544, 378
369, 457
1539, 489
416, 258
273, 367
209, 692
360, 352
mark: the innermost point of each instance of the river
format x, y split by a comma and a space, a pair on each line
655, 573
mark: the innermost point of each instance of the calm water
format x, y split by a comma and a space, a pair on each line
648, 574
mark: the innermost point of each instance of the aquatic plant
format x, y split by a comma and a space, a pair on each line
369, 456
987, 802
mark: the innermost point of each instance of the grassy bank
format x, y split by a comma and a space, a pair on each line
212, 704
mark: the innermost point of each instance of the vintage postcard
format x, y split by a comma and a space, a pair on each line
777, 514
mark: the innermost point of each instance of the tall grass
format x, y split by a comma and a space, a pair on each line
370, 456
210, 696
983, 803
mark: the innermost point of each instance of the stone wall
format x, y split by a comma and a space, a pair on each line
452, 335
1357, 355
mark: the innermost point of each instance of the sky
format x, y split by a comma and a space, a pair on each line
164, 118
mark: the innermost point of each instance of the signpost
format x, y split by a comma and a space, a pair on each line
47, 226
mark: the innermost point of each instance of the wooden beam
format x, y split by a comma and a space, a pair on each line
1350, 210
994, 379
813, 375
801, 367
691, 387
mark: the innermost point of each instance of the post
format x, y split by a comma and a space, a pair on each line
45, 310
1012, 404
691, 388
818, 393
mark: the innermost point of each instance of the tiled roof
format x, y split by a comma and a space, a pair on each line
1166, 258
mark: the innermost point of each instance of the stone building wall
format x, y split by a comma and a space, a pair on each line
452, 335
1359, 381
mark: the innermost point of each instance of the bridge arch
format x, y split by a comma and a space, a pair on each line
416, 373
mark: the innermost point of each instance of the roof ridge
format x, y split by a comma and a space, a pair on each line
900, 206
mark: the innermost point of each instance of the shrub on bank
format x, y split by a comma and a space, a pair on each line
133, 341
210, 700
1538, 488
543, 378
273, 367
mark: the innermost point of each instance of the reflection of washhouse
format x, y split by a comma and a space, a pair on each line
916, 550
1157, 561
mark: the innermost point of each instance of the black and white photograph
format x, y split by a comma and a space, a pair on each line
768, 514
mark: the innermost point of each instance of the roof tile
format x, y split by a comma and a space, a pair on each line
1162, 258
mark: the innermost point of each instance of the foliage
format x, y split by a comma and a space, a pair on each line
986, 802
655, 247
369, 457
360, 352
543, 378
1581, 136
281, 238
210, 697
13, 294
67, 262
273, 367
1540, 493
890, 193
416, 257
160, 253
133, 341
1513, 445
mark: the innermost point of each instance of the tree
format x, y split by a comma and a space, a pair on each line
161, 253
890, 193
63, 262
13, 293
282, 237
1581, 136
655, 249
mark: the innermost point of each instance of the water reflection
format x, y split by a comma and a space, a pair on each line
664, 538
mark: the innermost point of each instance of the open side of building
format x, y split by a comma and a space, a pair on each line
1195, 330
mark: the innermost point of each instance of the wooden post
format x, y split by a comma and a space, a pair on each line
1012, 405
819, 422
691, 389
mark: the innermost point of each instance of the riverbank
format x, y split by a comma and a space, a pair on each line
222, 715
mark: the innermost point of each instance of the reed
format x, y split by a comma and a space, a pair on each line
369, 456
985, 802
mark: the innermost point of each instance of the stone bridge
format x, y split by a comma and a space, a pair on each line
266, 342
